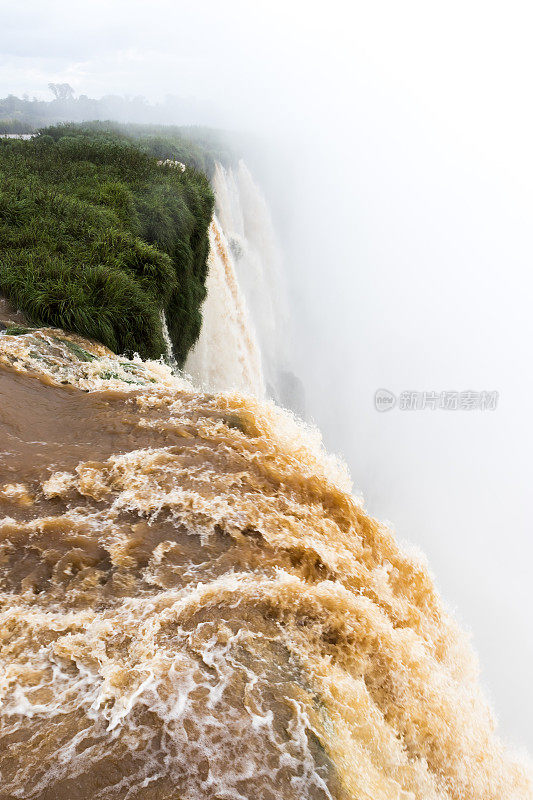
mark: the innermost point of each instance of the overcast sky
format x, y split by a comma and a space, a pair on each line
401, 175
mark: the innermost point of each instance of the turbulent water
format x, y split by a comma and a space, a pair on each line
193, 605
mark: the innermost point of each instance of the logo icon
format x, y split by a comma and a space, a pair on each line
384, 400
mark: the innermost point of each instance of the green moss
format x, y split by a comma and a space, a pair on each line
80, 352
96, 238
16, 330
109, 375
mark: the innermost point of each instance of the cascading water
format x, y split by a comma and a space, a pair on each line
226, 355
169, 353
246, 299
245, 218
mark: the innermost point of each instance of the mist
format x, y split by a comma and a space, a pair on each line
393, 144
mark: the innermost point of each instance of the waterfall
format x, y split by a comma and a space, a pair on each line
169, 354
243, 343
246, 220
226, 355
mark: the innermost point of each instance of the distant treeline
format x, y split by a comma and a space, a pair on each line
97, 238
66, 107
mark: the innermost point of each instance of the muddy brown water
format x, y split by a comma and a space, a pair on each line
192, 606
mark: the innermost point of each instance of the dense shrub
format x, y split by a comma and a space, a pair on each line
193, 145
96, 238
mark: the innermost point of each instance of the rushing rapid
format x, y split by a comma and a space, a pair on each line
193, 605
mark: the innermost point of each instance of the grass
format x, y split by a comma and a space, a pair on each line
96, 238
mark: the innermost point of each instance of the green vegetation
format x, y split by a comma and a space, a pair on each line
16, 330
96, 238
195, 145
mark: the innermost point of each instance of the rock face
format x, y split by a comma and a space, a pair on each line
192, 605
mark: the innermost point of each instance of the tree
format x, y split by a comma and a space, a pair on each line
62, 91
